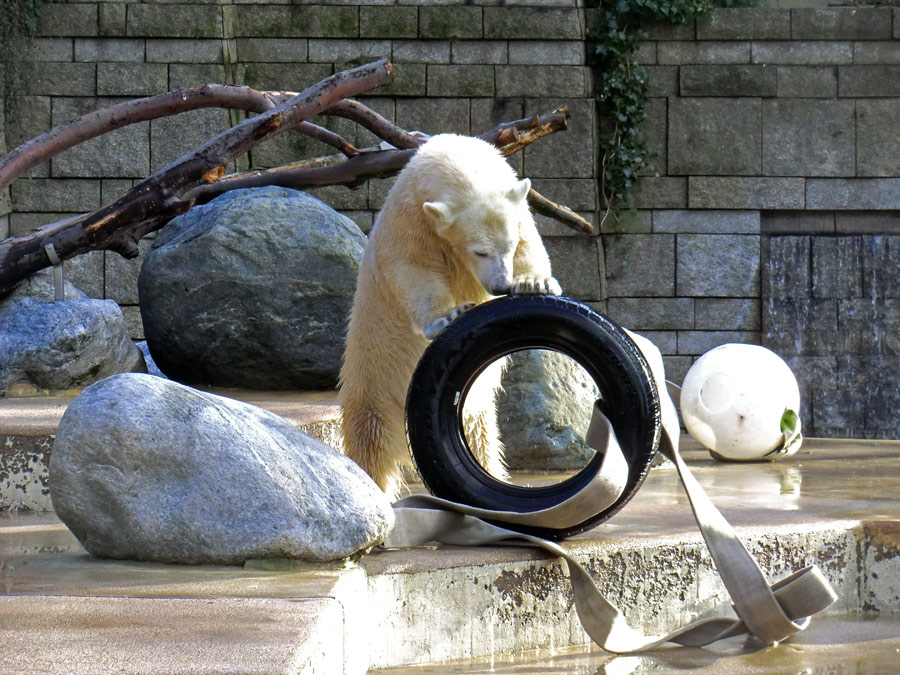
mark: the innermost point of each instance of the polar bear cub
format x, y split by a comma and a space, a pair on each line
454, 231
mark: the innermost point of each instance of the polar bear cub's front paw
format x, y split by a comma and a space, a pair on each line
439, 324
534, 285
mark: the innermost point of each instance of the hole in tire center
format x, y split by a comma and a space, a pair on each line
540, 414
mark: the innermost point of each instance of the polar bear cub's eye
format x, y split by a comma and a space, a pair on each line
482, 254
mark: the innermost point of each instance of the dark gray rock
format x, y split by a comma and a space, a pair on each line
148, 469
544, 411
61, 345
252, 290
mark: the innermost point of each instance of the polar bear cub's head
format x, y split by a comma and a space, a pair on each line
478, 208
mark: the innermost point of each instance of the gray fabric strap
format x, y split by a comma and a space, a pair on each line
770, 613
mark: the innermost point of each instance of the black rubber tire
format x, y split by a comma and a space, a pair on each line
453, 361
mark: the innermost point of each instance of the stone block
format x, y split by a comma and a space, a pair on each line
546, 52
577, 265
347, 53
642, 314
388, 22
681, 53
803, 53
378, 189
665, 340
640, 265
745, 192
192, 51
185, 75
314, 21
61, 79
714, 136
698, 342
550, 227
464, 81
4, 224
68, 20
409, 80
53, 49
22, 222
676, 367
113, 188
174, 21
852, 193
666, 30
450, 21
122, 274
542, 81
120, 153
645, 54
579, 194
654, 129
172, 137
808, 138
746, 23
86, 273
109, 49
729, 80
562, 155
627, 221
133, 322
841, 23
727, 314
797, 222
281, 76
870, 53
525, 23
786, 268
662, 81
59, 195
383, 106
877, 140
801, 326
494, 52
836, 267
807, 81
112, 19
132, 79
720, 265
23, 128
881, 260
869, 81
681, 221
342, 198
488, 113
422, 51
666, 192
867, 222
434, 115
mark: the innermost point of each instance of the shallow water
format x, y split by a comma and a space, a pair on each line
832, 645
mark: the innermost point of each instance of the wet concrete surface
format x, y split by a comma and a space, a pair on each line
833, 645
51, 591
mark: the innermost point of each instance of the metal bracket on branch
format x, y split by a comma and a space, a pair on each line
198, 176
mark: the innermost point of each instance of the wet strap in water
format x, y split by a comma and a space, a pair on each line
770, 613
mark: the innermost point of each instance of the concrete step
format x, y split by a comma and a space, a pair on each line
834, 504
28, 427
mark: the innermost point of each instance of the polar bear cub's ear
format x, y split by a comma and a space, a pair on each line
439, 211
520, 191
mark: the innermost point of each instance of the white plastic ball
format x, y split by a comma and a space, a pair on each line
733, 399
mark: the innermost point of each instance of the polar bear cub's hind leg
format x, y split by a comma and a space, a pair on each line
480, 421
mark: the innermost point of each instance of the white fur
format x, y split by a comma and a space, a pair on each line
454, 231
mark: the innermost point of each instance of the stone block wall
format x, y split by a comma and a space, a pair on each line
460, 67
771, 216
774, 215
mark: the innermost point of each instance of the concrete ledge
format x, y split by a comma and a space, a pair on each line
437, 603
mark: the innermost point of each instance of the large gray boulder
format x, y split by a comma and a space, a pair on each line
544, 410
252, 290
48, 345
148, 469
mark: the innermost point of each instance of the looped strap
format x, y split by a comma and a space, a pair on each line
770, 613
